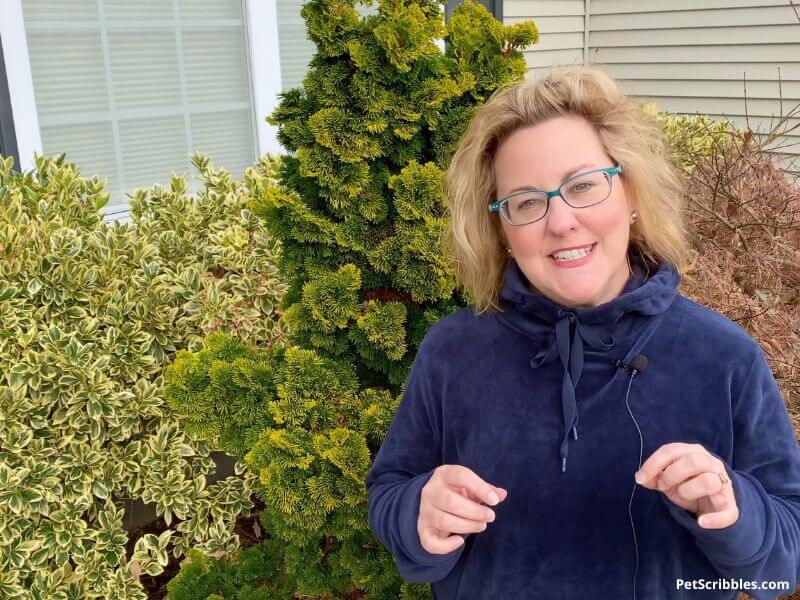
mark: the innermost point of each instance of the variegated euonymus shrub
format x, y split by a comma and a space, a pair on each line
90, 313
217, 236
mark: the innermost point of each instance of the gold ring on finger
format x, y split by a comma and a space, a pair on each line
723, 477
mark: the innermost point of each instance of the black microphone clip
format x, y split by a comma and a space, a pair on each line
637, 365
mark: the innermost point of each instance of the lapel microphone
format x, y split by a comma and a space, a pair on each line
637, 365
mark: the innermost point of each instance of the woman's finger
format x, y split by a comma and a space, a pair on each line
452, 502
721, 518
704, 484
685, 468
438, 542
450, 523
458, 476
661, 459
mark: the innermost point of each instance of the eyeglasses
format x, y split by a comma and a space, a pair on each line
579, 191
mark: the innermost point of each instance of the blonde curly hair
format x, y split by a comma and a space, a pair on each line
629, 134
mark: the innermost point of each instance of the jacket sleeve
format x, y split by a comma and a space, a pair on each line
404, 463
763, 545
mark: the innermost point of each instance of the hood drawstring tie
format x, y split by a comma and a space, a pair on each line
647, 293
572, 359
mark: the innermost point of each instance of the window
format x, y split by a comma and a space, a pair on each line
495, 8
130, 89
296, 50
8, 138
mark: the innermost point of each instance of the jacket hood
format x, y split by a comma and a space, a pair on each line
562, 332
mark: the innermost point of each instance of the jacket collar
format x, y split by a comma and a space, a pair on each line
563, 331
649, 291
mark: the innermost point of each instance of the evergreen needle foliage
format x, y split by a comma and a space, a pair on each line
360, 212
360, 209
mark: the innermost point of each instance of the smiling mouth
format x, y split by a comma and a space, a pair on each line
586, 250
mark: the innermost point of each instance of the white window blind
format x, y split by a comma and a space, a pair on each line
296, 50
129, 89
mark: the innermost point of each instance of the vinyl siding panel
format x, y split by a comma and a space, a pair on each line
543, 8
747, 16
774, 54
723, 58
708, 35
601, 7
561, 30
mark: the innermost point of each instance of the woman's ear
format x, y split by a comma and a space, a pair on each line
504, 240
630, 197
501, 237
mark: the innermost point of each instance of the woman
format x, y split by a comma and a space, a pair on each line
630, 442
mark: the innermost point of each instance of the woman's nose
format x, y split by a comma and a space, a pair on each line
560, 217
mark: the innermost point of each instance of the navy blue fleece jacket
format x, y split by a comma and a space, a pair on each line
530, 399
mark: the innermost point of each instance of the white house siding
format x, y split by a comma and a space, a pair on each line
561, 30
685, 55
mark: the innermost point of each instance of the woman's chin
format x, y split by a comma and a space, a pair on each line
579, 298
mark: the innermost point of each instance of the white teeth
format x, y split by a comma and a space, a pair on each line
573, 254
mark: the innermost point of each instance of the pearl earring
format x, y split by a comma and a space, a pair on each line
509, 251
634, 216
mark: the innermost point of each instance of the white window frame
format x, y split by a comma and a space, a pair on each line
261, 35
20, 82
261, 30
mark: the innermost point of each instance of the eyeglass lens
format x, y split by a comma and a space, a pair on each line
578, 192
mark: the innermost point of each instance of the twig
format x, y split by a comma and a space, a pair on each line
783, 362
744, 85
746, 317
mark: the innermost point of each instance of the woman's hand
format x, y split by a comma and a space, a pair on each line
450, 503
689, 476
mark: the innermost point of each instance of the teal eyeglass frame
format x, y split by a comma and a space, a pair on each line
610, 171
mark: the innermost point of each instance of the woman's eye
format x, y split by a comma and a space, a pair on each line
530, 202
581, 187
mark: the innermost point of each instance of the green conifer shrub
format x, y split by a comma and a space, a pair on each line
360, 212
